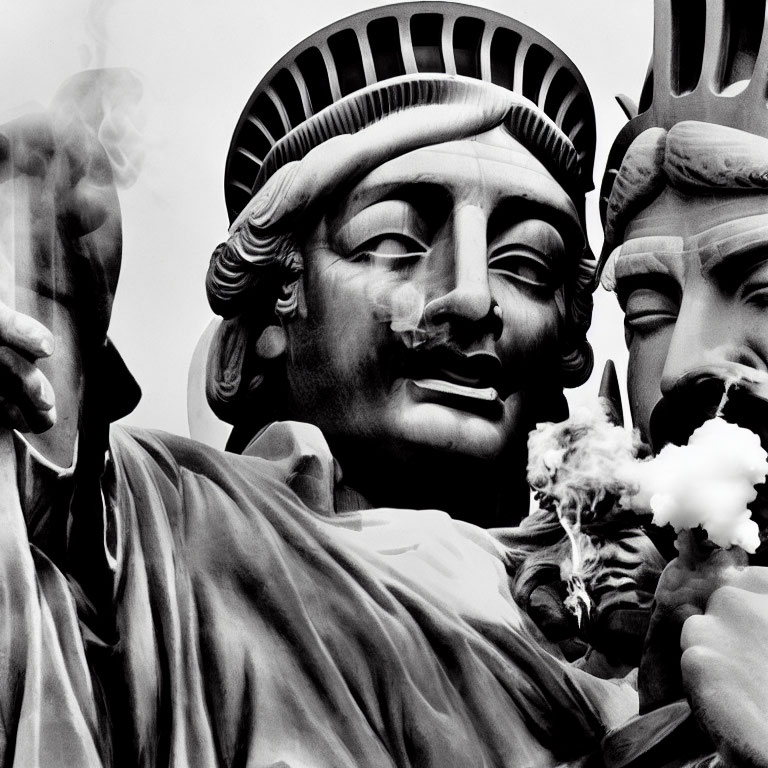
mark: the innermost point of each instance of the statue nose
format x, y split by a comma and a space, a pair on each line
463, 273
700, 361
710, 337
469, 300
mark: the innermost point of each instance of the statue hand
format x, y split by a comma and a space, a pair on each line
724, 670
26, 396
683, 591
622, 590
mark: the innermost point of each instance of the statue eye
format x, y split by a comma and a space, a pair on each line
648, 310
392, 250
523, 265
756, 295
753, 287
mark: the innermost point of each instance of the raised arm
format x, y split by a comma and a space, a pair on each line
60, 251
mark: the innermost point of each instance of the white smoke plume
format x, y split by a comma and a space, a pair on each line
580, 461
94, 53
575, 467
709, 482
585, 468
400, 304
107, 104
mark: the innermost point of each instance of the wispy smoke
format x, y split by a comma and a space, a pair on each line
578, 469
401, 305
107, 101
709, 482
585, 468
105, 104
94, 55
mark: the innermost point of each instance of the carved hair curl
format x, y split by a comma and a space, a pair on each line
577, 358
252, 279
683, 159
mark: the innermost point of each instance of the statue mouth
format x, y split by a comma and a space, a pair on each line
699, 397
469, 381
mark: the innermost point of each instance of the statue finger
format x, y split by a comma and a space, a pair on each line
696, 627
12, 417
737, 607
24, 334
751, 579
546, 608
697, 663
25, 386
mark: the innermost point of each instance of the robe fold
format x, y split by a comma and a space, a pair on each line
256, 620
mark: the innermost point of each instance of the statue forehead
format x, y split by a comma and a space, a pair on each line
713, 167
486, 168
679, 231
697, 218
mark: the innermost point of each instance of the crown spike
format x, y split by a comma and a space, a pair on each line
576, 130
406, 46
280, 107
520, 57
714, 46
245, 153
546, 83
367, 56
757, 90
301, 84
242, 187
446, 45
663, 45
263, 128
333, 75
485, 52
566, 104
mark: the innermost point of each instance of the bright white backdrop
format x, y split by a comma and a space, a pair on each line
199, 61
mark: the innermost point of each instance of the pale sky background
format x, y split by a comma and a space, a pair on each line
199, 61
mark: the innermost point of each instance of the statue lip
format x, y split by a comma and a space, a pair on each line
484, 401
466, 373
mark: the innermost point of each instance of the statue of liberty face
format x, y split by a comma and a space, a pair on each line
693, 281
692, 277
433, 299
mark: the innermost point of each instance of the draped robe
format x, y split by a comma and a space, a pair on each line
259, 615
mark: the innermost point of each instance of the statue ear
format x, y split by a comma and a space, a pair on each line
292, 301
272, 343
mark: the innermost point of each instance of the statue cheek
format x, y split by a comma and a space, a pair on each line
531, 329
644, 371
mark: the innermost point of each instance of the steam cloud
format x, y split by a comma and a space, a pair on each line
577, 469
401, 305
397, 303
585, 468
709, 482
106, 105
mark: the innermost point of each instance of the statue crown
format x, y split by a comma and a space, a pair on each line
402, 40
710, 64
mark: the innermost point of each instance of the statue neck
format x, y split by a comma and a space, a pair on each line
486, 493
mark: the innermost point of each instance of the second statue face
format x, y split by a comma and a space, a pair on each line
693, 279
433, 300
